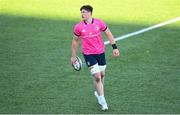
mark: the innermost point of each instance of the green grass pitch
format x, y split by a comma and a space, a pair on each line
35, 50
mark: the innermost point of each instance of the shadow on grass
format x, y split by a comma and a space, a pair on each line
36, 75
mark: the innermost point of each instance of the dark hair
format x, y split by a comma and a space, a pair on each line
87, 8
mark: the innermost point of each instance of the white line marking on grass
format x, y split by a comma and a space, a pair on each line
145, 30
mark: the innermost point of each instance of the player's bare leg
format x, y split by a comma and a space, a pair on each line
100, 90
102, 77
98, 83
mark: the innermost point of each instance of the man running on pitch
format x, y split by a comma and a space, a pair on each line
89, 30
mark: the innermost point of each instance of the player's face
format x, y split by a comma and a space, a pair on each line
85, 14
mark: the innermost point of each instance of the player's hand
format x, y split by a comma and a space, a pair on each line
73, 60
116, 52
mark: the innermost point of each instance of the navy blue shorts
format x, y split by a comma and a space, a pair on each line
95, 58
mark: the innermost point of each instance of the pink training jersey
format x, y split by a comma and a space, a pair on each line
90, 34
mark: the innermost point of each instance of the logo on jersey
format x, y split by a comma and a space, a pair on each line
83, 30
97, 28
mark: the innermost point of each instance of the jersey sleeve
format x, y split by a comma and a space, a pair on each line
77, 31
103, 26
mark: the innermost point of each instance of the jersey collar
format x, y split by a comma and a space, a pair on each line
91, 21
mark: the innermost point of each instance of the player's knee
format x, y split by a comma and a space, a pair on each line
98, 71
97, 77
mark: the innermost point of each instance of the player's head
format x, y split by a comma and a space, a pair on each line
86, 11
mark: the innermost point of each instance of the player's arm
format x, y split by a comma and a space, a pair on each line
75, 43
110, 37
